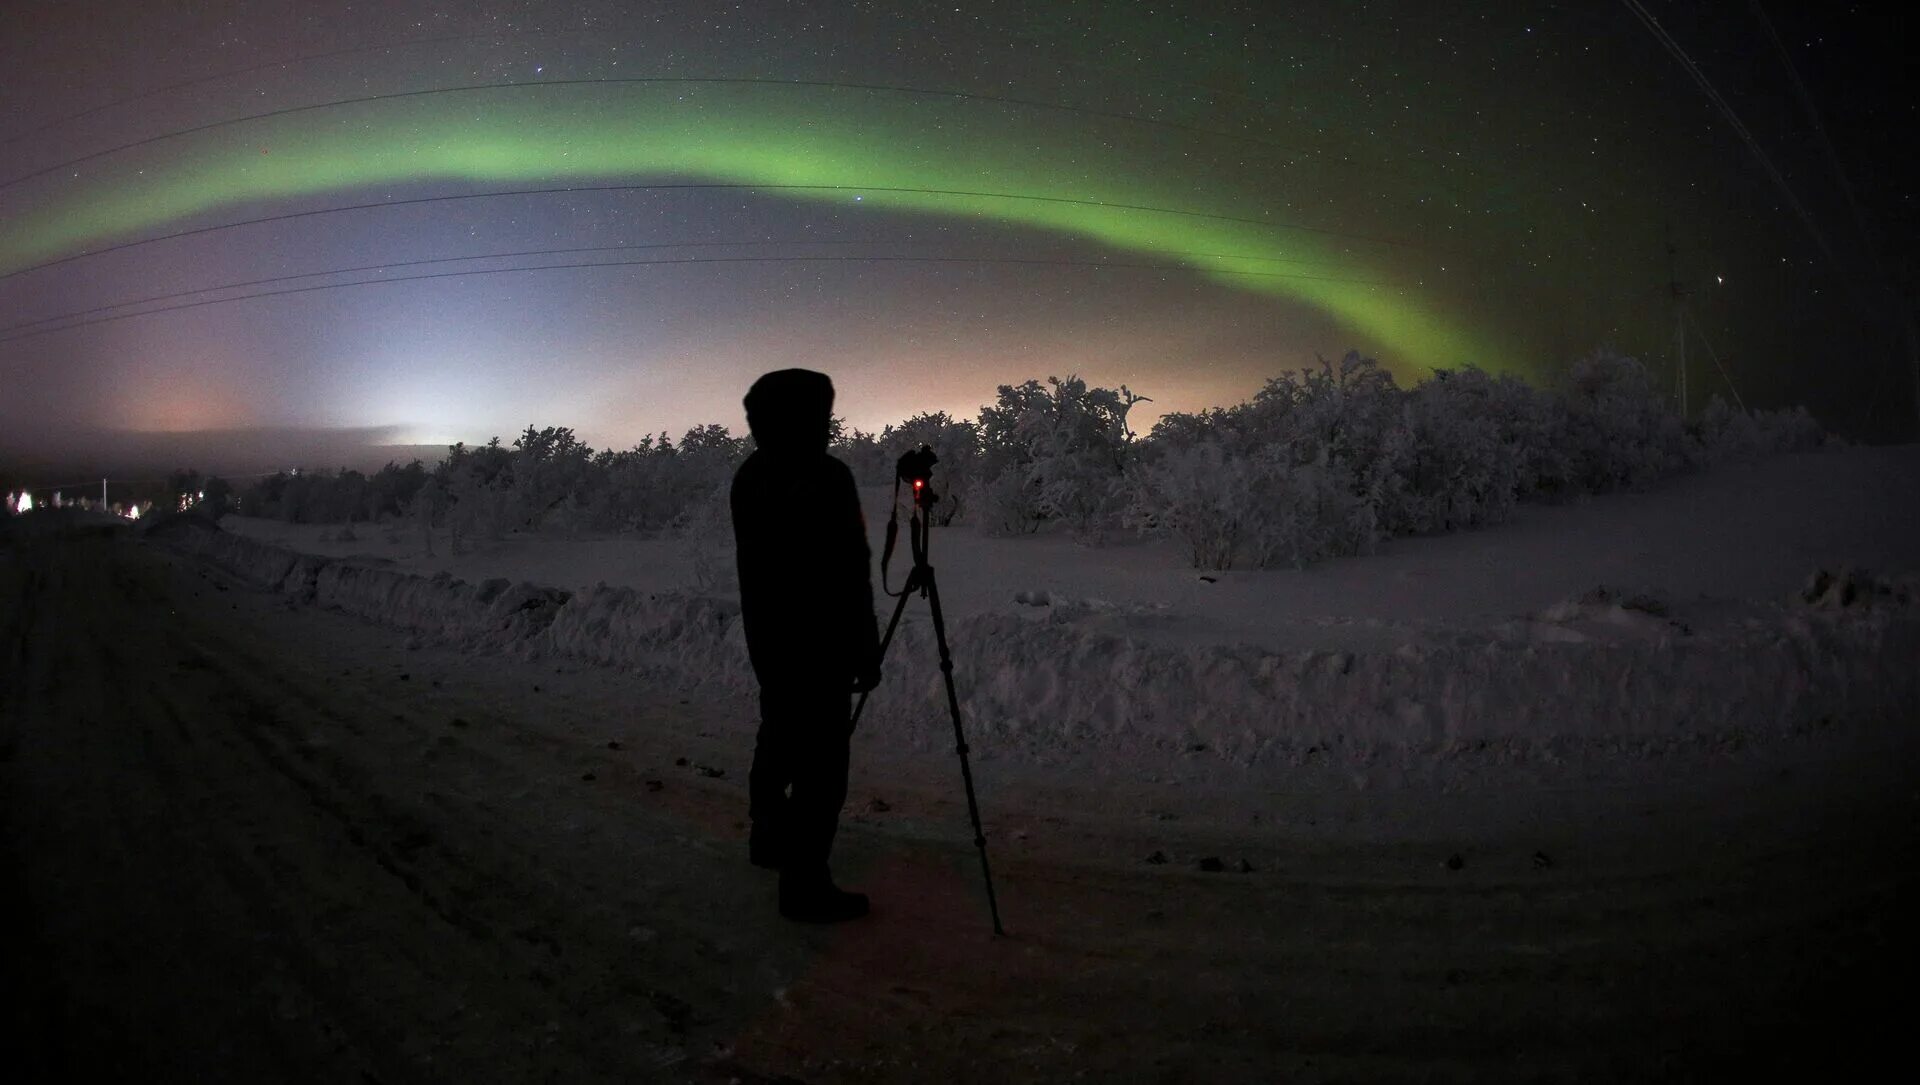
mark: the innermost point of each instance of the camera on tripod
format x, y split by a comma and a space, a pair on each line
916, 468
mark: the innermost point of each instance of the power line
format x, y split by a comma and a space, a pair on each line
714, 186
152, 298
1733, 119
1715, 355
1903, 316
1026, 103
1900, 304
1819, 129
975, 260
232, 72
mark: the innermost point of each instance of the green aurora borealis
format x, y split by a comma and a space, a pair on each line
876, 145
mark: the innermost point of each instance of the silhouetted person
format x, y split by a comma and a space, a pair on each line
806, 596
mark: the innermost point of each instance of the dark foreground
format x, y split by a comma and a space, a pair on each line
246, 841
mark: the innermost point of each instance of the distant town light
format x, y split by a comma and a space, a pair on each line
25, 503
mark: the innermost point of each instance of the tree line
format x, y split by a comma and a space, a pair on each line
1322, 461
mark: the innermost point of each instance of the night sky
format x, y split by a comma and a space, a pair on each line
912, 198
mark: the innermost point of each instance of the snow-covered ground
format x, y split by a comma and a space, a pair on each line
1631, 624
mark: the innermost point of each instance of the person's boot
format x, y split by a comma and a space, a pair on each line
816, 899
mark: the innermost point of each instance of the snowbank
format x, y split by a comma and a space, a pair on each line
494, 614
1601, 670
259, 563
678, 636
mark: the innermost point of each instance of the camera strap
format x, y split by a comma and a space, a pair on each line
893, 536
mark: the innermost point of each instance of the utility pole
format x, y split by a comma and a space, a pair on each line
1679, 295
1682, 314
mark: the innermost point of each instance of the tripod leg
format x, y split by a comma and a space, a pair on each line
899, 608
960, 738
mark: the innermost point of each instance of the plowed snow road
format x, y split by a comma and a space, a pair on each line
249, 841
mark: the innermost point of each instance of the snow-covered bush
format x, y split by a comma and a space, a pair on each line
569, 519
1618, 432
707, 458
873, 457
956, 443
1792, 430
1008, 501
1347, 419
548, 468
427, 508
479, 486
1329, 460
1196, 493
1726, 432
310, 497
1308, 465
1303, 512
1055, 451
1257, 508
705, 532
652, 486
633, 491
1082, 490
862, 454
1471, 445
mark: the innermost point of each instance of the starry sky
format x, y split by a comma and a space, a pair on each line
413, 223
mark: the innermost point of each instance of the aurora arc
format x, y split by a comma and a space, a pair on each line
1001, 164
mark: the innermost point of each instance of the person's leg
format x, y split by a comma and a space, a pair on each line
820, 755
820, 761
771, 773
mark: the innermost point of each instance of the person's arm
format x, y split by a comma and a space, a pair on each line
862, 630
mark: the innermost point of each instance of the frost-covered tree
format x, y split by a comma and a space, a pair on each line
1329, 460
479, 485
426, 509
957, 446
391, 489
861, 452
1056, 451
1310, 462
1618, 432
1473, 445
1197, 493
630, 491
549, 468
1726, 432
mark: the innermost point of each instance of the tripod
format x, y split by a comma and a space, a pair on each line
920, 578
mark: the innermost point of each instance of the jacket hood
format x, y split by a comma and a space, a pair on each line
791, 410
